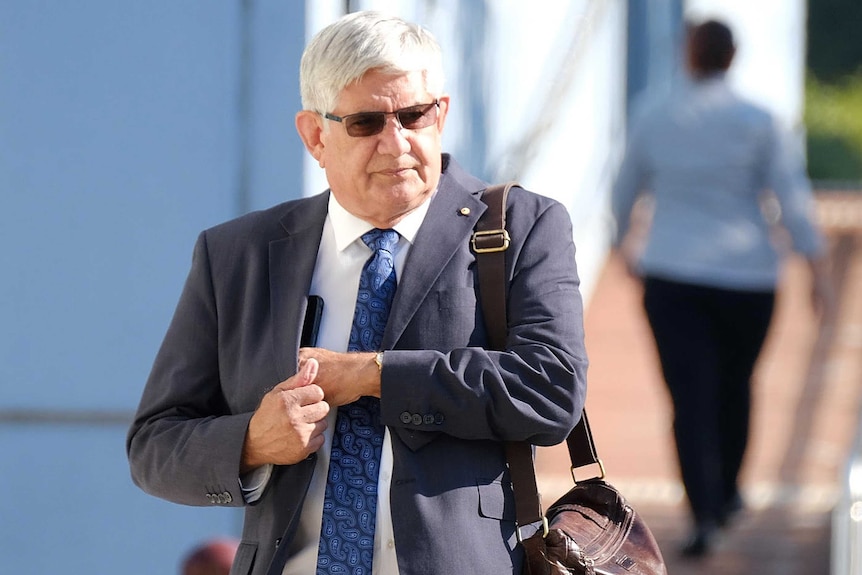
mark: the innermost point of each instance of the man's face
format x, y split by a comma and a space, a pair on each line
382, 177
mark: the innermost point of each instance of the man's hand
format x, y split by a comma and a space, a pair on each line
344, 377
289, 423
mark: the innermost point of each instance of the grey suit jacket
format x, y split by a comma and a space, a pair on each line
448, 402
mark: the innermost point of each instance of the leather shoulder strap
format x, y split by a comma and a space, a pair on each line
490, 242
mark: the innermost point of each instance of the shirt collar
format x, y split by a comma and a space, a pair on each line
348, 228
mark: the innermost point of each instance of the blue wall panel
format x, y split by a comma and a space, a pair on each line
125, 129
117, 144
69, 507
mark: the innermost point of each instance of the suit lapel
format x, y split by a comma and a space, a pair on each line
445, 230
291, 266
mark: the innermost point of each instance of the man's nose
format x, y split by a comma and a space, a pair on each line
393, 138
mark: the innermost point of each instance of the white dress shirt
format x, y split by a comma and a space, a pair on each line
339, 264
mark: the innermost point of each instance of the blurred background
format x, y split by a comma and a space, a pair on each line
128, 127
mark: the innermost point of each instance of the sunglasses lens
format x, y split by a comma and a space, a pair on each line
417, 117
370, 123
365, 124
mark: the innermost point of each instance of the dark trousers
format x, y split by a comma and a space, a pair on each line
708, 341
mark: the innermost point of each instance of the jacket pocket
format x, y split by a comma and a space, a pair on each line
493, 502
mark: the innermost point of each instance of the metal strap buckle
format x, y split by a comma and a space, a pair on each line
600, 476
485, 239
545, 529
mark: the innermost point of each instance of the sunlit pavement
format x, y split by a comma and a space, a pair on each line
808, 388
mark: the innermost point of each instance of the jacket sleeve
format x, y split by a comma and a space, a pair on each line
786, 177
185, 444
631, 180
535, 389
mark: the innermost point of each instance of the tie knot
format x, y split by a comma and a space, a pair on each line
378, 239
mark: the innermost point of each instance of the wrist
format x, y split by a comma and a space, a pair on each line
372, 369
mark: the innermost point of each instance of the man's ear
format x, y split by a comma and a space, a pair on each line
310, 127
442, 112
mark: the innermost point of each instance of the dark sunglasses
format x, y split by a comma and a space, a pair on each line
365, 124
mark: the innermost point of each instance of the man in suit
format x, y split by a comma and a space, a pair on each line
236, 413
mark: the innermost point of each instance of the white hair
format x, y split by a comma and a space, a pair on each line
344, 51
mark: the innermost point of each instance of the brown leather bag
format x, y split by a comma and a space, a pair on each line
591, 530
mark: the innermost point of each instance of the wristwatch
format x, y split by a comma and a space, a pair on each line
378, 359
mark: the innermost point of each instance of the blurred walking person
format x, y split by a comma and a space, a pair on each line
707, 158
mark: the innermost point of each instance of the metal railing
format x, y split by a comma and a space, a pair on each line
846, 552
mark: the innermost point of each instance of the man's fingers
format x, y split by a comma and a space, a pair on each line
307, 373
308, 395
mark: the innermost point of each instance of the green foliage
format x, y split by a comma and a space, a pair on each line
833, 90
833, 118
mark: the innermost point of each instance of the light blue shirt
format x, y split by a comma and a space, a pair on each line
707, 157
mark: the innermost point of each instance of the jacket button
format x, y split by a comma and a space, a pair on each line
438, 418
406, 417
417, 419
428, 419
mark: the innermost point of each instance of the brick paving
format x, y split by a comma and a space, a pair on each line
807, 398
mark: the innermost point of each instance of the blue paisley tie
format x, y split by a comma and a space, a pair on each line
350, 504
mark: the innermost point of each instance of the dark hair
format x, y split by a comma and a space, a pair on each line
710, 47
